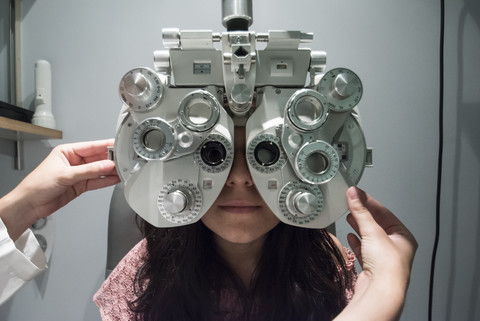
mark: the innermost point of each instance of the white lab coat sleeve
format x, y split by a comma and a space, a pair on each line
20, 261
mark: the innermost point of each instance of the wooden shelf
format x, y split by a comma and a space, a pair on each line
17, 130
20, 131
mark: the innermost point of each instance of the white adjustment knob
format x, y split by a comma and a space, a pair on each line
175, 202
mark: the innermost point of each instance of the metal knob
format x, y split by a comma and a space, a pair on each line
141, 89
161, 61
176, 202
171, 38
342, 87
302, 203
345, 84
241, 96
135, 84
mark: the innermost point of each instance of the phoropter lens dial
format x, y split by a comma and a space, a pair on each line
307, 109
266, 153
213, 153
153, 139
199, 111
300, 203
141, 89
317, 162
343, 89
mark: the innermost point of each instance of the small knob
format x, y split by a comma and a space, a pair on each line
342, 87
141, 89
302, 203
135, 84
175, 202
345, 84
161, 61
306, 203
171, 37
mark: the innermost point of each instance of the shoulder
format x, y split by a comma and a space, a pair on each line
117, 290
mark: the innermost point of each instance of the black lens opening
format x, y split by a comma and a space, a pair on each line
213, 153
266, 153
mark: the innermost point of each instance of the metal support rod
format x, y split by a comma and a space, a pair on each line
14, 69
19, 154
237, 14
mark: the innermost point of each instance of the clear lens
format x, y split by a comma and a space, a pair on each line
153, 140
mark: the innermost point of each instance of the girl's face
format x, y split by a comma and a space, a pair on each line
239, 214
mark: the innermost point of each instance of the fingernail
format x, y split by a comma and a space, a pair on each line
353, 193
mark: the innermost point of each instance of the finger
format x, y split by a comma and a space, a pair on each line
89, 171
365, 223
383, 216
92, 148
356, 246
97, 183
353, 223
86, 151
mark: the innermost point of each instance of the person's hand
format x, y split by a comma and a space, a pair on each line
385, 250
67, 172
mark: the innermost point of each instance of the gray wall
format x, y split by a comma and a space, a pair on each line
392, 45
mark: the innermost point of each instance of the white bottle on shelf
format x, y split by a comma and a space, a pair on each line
43, 95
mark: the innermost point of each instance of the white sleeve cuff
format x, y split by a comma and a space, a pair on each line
20, 261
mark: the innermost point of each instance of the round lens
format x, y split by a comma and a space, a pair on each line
266, 153
153, 140
317, 162
213, 153
199, 111
308, 109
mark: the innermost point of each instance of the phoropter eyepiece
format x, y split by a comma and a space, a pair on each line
213, 153
266, 153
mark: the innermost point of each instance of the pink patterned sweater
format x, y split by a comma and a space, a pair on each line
113, 296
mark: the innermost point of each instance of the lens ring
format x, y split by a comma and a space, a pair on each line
153, 139
207, 157
317, 162
307, 109
213, 153
264, 153
141, 89
199, 111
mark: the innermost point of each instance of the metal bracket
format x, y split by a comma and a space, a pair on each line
19, 164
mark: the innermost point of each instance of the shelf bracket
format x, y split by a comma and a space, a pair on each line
19, 164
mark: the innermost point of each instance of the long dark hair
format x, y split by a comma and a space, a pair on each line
301, 275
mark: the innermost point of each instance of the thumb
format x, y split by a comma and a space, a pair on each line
361, 219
